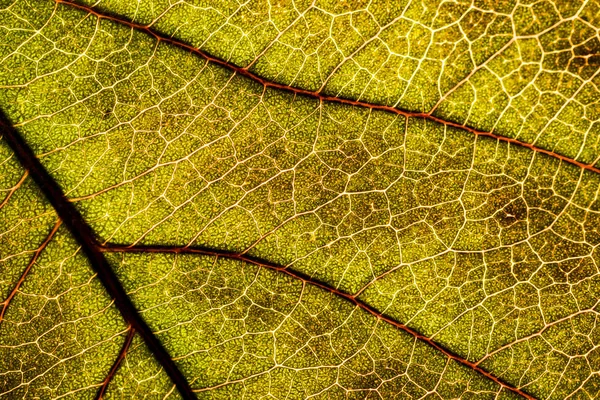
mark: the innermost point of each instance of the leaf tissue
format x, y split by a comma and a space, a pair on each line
296, 199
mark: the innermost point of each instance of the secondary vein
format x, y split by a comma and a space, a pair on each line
316, 95
308, 280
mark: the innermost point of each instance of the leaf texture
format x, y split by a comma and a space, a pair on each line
370, 200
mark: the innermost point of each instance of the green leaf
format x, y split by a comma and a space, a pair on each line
299, 200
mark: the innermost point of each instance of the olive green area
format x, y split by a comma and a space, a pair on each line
488, 248
524, 69
59, 332
239, 331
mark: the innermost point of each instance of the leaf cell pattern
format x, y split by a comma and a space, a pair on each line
315, 228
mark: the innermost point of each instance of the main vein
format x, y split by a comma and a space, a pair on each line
84, 235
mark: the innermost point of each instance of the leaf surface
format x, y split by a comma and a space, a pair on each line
305, 237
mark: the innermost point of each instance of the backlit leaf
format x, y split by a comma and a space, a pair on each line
300, 200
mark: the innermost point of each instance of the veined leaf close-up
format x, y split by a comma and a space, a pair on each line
300, 199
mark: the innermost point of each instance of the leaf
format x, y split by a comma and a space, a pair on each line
319, 200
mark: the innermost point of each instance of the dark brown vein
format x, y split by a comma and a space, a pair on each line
117, 363
84, 235
36, 254
308, 280
243, 71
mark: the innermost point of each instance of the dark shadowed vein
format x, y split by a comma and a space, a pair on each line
82, 232
316, 95
117, 363
311, 281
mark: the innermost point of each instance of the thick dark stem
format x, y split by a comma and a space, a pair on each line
80, 230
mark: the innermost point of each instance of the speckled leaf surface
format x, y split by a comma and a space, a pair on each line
299, 200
